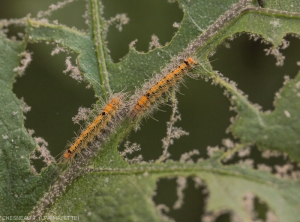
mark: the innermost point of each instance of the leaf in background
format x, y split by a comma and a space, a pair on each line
114, 190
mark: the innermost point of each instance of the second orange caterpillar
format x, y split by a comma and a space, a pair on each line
93, 129
163, 85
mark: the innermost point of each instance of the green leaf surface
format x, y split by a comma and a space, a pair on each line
279, 129
125, 193
113, 190
19, 188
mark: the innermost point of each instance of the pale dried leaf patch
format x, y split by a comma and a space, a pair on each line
52, 8
173, 132
25, 61
75, 73
41, 152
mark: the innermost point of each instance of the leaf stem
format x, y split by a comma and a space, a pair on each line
188, 169
97, 30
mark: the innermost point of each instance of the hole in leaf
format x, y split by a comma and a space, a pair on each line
260, 208
194, 196
150, 134
267, 160
225, 217
204, 118
254, 72
146, 18
257, 209
70, 15
13, 9
13, 32
222, 215
53, 96
37, 164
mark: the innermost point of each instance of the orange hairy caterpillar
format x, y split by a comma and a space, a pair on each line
161, 86
94, 128
91, 138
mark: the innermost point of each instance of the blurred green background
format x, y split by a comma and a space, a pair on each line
55, 97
